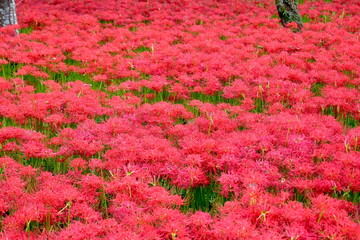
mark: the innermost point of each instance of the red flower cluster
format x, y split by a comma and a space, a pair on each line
179, 120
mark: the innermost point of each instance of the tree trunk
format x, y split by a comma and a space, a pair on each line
288, 12
7, 13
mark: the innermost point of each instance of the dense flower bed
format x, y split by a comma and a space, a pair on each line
180, 120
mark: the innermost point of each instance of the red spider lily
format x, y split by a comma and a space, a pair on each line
128, 113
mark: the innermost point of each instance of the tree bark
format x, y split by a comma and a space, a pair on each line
7, 13
288, 12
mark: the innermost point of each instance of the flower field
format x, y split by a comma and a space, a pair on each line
160, 119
